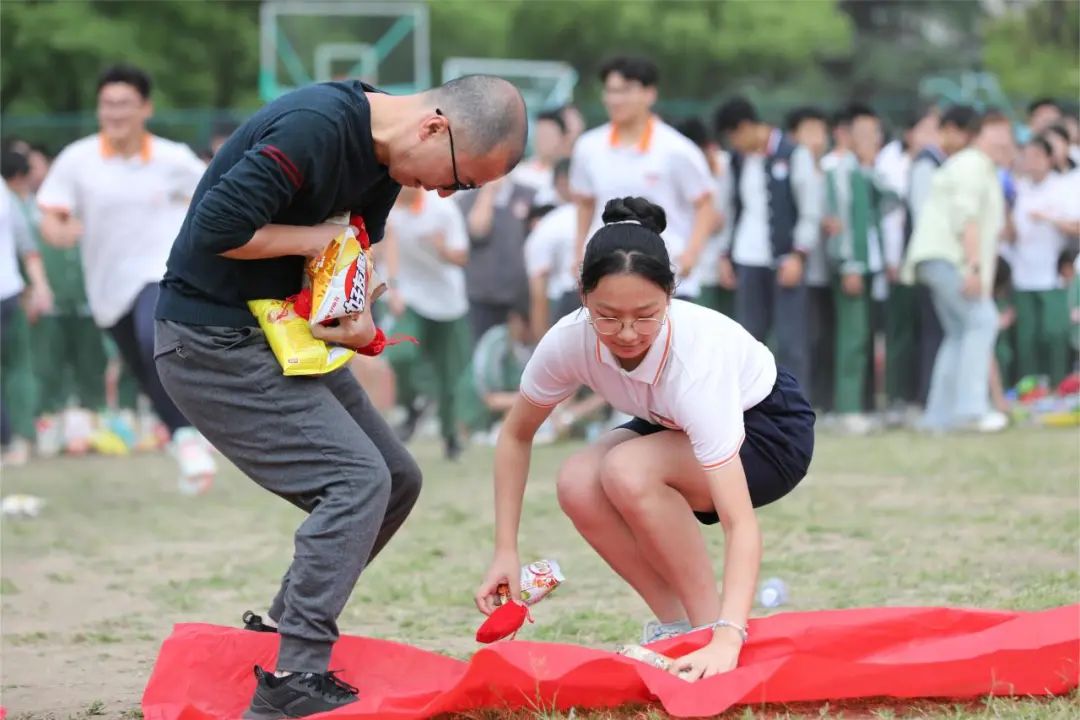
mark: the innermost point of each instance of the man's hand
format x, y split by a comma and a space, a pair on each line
438, 242
790, 272
727, 274
972, 284
396, 302
321, 236
1006, 318
892, 272
831, 226
66, 233
719, 656
352, 331
38, 301
686, 263
852, 284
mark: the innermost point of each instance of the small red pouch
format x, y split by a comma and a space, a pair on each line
504, 622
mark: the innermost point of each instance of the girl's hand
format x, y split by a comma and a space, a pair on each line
719, 656
505, 570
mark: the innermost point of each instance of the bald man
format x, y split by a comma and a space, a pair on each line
317, 442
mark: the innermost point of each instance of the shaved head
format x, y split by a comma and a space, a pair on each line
487, 115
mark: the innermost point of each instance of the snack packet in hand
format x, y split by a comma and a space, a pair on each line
538, 580
334, 285
289, 336
339, 278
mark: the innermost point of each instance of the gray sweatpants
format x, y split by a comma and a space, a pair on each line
315, 441
764, 308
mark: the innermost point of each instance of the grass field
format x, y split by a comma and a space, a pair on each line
92, 586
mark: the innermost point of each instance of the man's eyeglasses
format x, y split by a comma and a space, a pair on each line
611, 326
458, 185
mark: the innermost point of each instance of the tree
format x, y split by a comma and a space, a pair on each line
200, 53
1035, 51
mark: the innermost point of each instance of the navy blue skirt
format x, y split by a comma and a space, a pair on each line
778, 447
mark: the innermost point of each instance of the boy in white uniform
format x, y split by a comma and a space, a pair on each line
636, 153
549, 259
18, 304
538, 172
427, 233
1042, 322
121, 195
699, 386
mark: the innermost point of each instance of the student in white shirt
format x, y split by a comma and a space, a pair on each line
121, 196
549, 258
19, 304
427, 238
538, 172
1042, 325
638, 154
718, 430
776, 202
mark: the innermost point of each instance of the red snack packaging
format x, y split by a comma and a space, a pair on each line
504, 622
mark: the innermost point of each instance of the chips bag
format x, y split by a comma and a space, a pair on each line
338, 279
290, 338
335, 285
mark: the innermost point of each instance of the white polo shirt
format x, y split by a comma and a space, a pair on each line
549, 250
707, 270
12, 226
664, 167
541, 179
701, 374
131, 210
1038, 244
431, 286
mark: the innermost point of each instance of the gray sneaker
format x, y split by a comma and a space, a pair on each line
654, 630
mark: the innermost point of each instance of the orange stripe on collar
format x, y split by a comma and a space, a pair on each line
644, 142
107, 150
417, 205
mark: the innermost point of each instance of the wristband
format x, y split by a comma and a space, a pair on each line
380, 342
738, 628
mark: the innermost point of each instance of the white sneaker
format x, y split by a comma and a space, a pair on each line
50, 438
78, 429
18, 453
197, 466
856, 424
991, 422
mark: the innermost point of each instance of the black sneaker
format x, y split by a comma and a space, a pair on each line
255, 623
297, 695
413, 413
453, 449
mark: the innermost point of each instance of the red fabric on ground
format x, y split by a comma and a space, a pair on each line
204, 671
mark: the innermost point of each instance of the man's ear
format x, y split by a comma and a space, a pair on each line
431, 125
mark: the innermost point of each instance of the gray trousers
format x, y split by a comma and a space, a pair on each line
315, 441
763, 307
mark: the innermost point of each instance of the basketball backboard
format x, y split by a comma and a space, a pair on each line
305, 41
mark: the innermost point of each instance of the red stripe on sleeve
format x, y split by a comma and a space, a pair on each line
284, 163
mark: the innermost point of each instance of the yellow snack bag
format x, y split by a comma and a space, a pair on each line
335, 284
339, 278
290, 338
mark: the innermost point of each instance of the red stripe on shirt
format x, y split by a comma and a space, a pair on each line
729, 458
537, 403
284, 163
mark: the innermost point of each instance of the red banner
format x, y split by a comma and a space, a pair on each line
204, 671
